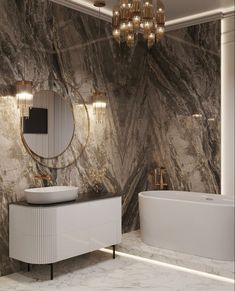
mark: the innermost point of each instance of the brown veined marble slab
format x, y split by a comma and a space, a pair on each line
153, 96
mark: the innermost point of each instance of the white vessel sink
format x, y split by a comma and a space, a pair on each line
49, 195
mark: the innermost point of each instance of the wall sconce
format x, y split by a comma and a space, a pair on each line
24, 97
99, 102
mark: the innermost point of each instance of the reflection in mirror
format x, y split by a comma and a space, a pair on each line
50, 127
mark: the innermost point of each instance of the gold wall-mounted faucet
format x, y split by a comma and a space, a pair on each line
47, 179
161, 184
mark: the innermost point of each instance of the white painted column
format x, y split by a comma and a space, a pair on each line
227, 106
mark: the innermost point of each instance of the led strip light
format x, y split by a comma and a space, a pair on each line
172, 266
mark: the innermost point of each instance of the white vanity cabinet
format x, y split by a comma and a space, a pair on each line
48, 234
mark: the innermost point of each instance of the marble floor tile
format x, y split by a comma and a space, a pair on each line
132, 244
98, 271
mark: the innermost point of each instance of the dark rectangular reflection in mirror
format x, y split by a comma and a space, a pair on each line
37, 122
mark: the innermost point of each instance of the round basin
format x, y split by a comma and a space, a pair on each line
50, 195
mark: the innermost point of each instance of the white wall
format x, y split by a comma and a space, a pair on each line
227, 106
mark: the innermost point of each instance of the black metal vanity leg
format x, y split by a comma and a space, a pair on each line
114, 256
52, 273
28, 267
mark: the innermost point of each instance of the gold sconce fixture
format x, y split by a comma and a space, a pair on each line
132, 17
99, 102
24, 96
24, 88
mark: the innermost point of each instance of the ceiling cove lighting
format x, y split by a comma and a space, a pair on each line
132, 17
24, 96
172, 266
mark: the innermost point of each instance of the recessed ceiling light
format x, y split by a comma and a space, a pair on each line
99, 3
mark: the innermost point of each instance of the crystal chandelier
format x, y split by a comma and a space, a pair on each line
131, 17
99, 100
24, 97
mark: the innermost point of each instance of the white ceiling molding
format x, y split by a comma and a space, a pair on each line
86, 8
192, 20
229, 13
198, 19
106, 14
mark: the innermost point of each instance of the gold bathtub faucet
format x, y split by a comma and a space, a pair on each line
162, 185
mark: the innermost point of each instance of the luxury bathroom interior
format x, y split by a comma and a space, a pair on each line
117, 145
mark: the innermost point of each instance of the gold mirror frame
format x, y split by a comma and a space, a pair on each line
56, 156
59, 162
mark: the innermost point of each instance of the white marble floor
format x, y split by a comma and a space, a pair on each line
132, 244
98, 271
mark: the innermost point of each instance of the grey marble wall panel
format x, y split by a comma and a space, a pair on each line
163, 105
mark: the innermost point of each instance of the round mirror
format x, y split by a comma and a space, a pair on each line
49, 129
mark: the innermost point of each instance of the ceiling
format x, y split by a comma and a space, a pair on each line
176, 10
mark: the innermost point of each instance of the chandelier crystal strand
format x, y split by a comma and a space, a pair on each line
147, 15
132, 17
136, 14
160, 21
116, 24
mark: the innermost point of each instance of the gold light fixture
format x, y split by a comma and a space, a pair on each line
99, 102
24, 96
99, 98
132, 17
24, 92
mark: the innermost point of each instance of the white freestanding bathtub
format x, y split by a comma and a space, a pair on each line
188, 222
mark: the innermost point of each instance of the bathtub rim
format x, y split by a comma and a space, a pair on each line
227, 201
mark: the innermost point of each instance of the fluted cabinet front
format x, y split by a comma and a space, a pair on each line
47, 234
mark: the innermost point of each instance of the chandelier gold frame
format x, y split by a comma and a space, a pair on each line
132, 17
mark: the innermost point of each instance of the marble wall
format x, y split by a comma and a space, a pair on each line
163, 105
